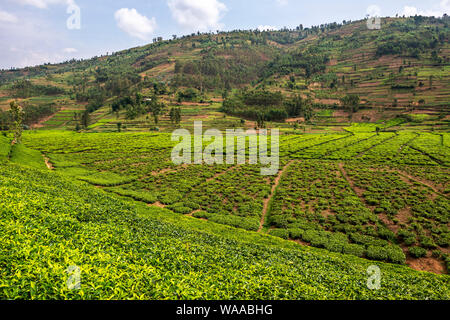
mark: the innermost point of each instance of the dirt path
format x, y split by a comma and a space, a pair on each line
219, 174
406, 144
375, 145
272, 193
429, 156
346, 146
41, 122
359, 192
422, 182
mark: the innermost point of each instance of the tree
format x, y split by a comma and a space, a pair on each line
260, 120
177, 115
119, 126
172, 115
308, 113
351, 102
85, 118
154, 107
17, 118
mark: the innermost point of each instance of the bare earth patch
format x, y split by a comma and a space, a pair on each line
157, 204
426, 264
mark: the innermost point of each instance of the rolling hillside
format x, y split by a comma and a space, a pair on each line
403, 68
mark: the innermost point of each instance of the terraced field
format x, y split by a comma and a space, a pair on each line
382, 196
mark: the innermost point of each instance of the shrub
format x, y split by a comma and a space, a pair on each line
201, 214
386, 234
437, 254
427, 242
447, 262
354, 249
408, 237
170, 197
295, 233
281, 233
443, 240
146, 197
193, 205
334, 246
377, 253
319, 241
179, 208
280, 221
308, 235
410, 241
417, 252
396, 255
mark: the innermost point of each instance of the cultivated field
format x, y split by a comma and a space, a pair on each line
380, 196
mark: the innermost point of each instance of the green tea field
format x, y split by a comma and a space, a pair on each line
308, 162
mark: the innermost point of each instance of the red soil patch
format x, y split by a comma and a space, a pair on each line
340, 114
328, 213
294, 120
389, 224
41, 122
157, 204
403, 215
194, 104
327, 101
426, 264
332, 62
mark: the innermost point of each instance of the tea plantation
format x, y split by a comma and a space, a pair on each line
53, 220
127, 250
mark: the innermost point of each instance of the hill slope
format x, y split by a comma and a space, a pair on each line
128, 250
401, 67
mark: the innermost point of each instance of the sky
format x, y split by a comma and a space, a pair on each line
34, 32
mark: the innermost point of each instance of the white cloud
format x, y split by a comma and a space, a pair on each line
374, 10
43, 4
198, 15
283, 2
70, 50
410, 11
135, 24
267, 28
438, 11
7, 17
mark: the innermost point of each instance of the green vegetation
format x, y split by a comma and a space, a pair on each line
346, 208
266, 106
364, 153
121, 246
336, 66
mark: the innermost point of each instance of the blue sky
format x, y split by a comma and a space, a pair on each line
36, 31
